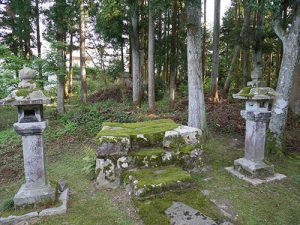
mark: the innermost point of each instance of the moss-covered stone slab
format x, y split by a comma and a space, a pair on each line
118, 138
151, 181
153, 157
184, 134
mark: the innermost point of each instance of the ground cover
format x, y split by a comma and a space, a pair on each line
68, 135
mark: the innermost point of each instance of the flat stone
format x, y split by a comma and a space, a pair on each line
255, 181
182, 214
254, 169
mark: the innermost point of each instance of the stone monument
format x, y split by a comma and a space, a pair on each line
31, 126
253, 167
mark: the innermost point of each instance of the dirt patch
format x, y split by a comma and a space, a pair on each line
116, 93
8, 174
223, 116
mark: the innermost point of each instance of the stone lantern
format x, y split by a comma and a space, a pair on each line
253, 167
31, 126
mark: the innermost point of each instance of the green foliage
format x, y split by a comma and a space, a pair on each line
90, 163
8, 136
115, 69
7, 205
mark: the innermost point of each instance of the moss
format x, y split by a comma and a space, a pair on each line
163, 176
147, 128
152, 211
187, 149
23, 92
148, 152
177, 143
246, 92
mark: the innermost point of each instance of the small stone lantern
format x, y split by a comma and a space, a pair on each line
31, 126
253, 167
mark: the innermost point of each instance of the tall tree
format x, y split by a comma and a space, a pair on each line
215, 58
290, 59
136, 72
151, 45
83, 81
197, 117
295, 94
237, 47
204, 40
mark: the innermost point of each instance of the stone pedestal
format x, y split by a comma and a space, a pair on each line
253, 163
36, 188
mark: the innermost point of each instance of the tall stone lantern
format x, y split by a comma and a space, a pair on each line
253, 167
31, 126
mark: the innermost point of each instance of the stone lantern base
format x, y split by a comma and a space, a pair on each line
34, 195
254, 169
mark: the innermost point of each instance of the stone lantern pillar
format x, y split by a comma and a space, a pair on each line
31, 126
253, 167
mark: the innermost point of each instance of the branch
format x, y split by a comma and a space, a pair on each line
278, 29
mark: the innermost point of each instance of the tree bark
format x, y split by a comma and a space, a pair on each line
38, 35
136, 72
204, 41
288, 68
215, 58
70, 85
83, 83
196, 114
151, 45
173, 58
295, 94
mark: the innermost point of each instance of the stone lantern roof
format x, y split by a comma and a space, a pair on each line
27, 92
256, 93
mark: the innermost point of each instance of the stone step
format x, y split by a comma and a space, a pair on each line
152, 157
152, 181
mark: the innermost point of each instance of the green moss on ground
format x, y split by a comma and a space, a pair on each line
134, 129
162, 176
148, 152
152, 211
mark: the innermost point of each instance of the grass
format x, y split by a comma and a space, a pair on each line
275, 203
152, 210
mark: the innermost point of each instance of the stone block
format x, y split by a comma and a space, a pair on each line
189, 135
253, 169
62, 185
113, 147
14, 219
108, 175
34, 195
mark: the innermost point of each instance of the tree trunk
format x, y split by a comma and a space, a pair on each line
38, 35
237, 47
151, 45
196, 114
71, 66
83, 86
257, 73
204, 42
215, 58
136, 73
173, 58
288, 68
295, 94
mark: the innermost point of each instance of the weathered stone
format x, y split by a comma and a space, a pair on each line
182, 214
108, 175
255, 181
62, 185
14, 219
27, 74
113, 147
190, 135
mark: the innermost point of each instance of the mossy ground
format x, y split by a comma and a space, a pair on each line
162, 176
275, 203
134, 129
148, 152
152, 210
